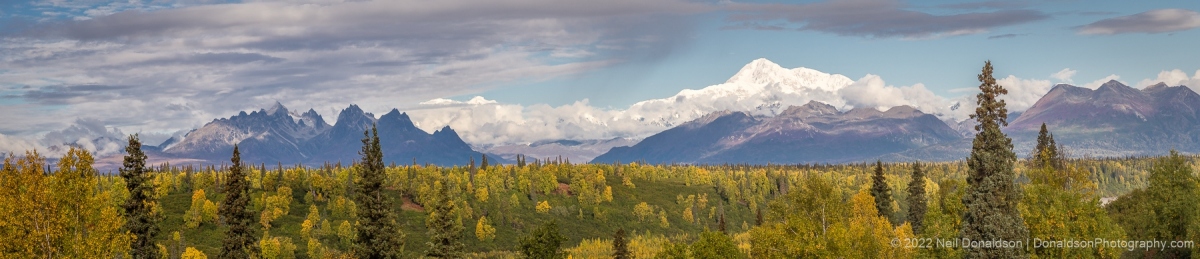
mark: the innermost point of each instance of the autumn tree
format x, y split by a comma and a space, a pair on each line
31, 224
715, 245
916, 199
93, 227
140, 218
992, 196
484, 230
239, 241
1166, 210
881, 191
378, 235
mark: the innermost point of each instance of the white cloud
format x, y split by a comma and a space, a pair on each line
1173, 78
1023, 93
1096, 84
1064, 75
761, 88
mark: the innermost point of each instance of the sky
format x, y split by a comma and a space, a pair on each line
78, 71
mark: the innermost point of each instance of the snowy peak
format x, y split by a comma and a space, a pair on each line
276, 108
759, 71
764, 72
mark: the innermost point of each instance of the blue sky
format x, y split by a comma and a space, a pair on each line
165, 67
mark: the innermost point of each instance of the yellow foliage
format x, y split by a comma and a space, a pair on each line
484, 230
543, 207
481, 193
687, 215
192, 253
643, 210
591, 248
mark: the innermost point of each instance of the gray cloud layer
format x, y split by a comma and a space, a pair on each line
878, 19
149, 67
1153, 21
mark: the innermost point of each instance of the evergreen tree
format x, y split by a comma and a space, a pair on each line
239, 239
445, 234
881, 191
621, 246
483, 165
543, 242
992, 196
1046, 152
917, 201
140, 219
378, 234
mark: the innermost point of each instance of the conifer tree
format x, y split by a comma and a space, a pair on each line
917, 201
378, 235
620, 245
139, 217
992, 196
483, 165
445, 233
240, 241
881, 191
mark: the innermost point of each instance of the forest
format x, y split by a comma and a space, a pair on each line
664, 211
991, 204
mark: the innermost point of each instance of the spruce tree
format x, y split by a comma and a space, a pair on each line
378, 234
239, 239
991, 197
139, 218
445, 234
881, 191
483, 165
620, 246
917, 201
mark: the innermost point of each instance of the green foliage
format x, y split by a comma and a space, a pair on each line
715, 245
445, 231
881, 191
140, 219
543, 242
1166, 210
917, 201
992, 196
378, 235
239, 239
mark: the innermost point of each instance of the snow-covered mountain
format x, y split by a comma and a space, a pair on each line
760, 88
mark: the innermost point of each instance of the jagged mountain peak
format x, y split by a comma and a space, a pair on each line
812, 108
276, 108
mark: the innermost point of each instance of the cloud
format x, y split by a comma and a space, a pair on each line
761, 88
1004, 36
1064, 75
878, 18
156, 67
1153, 21
1023, 93
1096, 84
1173, 78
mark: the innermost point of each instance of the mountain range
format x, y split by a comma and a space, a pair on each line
762, 114
1113, 120
276, 135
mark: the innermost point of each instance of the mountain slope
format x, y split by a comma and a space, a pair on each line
812, 133
1115, 119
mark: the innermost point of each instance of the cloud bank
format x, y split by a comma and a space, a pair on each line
1153, 21
878, 18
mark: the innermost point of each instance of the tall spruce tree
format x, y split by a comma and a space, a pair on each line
239, 239
378, 233
140, 219
620, 246
992, 196
917, 201
445, 233
881, 191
